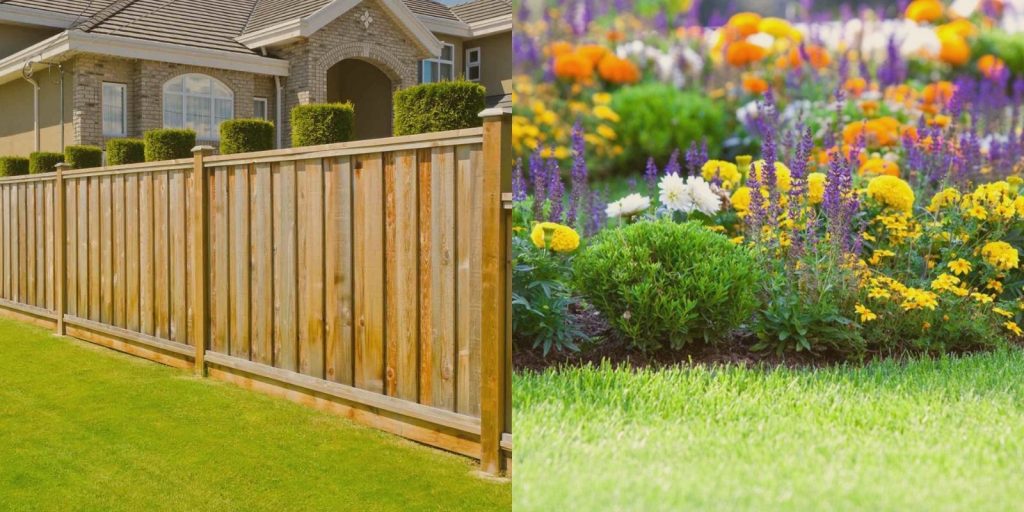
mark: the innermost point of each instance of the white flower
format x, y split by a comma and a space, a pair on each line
675, 194
702, 197
762, 39
628, 206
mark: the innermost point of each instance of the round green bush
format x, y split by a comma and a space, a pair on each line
167, 144
438, 106
83, 157
246, 135
125, 151
656, 119
41, 161
322, 123
660, 282
13, 165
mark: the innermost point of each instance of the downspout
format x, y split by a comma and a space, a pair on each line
60, 69
26, 73
277, 103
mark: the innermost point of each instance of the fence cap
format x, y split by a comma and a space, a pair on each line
198, 149
62, 165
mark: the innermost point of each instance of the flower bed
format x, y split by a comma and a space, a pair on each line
861, 198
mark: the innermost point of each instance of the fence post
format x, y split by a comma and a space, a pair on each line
60, 247
497, 178
199, 223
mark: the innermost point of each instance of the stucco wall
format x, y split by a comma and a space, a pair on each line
495, 59
17, 135
14, 38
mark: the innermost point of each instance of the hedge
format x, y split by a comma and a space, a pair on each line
13, 165
167, 144
125, 151
41, 161
246, 135
322, 123
438, 107
83, 157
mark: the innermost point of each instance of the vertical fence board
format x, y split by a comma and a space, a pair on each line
338, 269
95, 213
106, 252
285, 295
468, 179
119, 251
161, 253
402, 280
442, 277
5, 241
219, 242
368, 264
71, 246
146, 270
30, 233
82, 220
48, 267
178, 258
262, 266
131, 210
239, 262
311, 267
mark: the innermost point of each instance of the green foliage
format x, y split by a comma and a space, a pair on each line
169, 144
657, 119
41, 161
541, 298
245, 136
125, 151
809, 306
13, 166
1009, 47
660, 281
322, 123
438, 106
83, 157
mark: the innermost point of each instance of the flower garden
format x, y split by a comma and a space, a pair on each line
696, 186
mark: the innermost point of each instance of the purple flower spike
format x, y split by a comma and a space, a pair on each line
556, 192
518, 181
651, 175
673, 167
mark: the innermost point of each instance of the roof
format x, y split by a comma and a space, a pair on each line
175, 22
481, 10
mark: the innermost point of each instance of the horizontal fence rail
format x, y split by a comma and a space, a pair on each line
369, 278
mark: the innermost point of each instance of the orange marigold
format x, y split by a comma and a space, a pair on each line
855, 85
594, 52
990, 65
954, 49
883, 131
742, 53
618, 71
817, 57
924, 10
754, 84
743, 24
880, 166
938, 92
573, 66
558, 48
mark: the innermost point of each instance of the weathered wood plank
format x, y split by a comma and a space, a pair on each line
178, 282
82, 219
338, 268
49, 228
262, 265
402, 261
311, 267
285, 270
219, 261
425, 185
70, 247
368, 264
5, 241
468, 223
161, 253
95, 215
119, 251
106, 250
442, 277
146, 270
131, 210
30, 242
239, 261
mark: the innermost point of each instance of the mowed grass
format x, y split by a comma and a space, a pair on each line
84, 428
928, 435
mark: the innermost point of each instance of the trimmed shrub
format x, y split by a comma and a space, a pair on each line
13, 165
41, 161
657, 119
126, 151
83, 157
322, 123
660, 282
167, 144
438, 106
246, 135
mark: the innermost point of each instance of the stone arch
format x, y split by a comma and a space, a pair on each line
386, 62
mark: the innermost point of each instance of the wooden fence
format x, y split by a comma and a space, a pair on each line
367, 278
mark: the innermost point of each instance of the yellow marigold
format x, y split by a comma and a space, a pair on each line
601, 98
994, 285
947, 197
954, 49
977, 212
606, 131
878, 293
959, 266
1002, 312
916, 298
554, 236
880, 166
725, 171
1000, 255
866, 315
816, 187
740, 200
945, 283
783, 179
605, 113
892, 192
778, 28
1013, 327
981, 298
743, 24
924, 10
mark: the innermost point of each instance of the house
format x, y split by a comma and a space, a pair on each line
83, 71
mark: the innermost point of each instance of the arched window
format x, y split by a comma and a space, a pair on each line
198, 102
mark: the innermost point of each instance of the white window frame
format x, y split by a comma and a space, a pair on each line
478, 64
123, 88
266, 107
439, 61
185, 96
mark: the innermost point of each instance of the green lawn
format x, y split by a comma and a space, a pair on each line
929, 435
84, 428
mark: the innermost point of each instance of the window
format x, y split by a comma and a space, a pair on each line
259, 108
199, 103
443, 68
473, 64
115, 110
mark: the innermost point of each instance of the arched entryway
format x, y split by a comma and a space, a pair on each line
369, 89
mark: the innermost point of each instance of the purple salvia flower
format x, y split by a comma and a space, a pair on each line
597, 215
631, 183
518, 181
673, 167
755, 218
703, 156
539, 176
579, 174
556, 192
651, 175
692, 155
